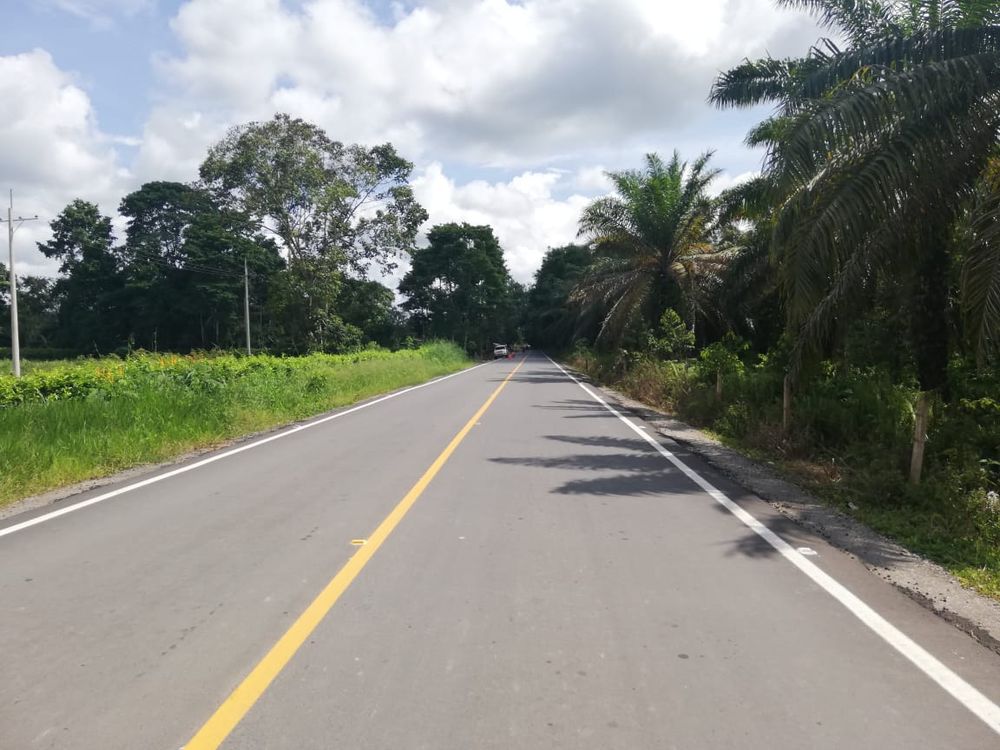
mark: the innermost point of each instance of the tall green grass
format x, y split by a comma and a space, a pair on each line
32, 366
157, 408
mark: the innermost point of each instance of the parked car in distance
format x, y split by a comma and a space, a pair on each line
499, 350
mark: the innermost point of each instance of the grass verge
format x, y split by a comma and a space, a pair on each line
155, 415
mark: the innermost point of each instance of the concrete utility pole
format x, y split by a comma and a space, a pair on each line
246, 303
15, 343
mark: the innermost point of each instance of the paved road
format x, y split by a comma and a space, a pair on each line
554, 582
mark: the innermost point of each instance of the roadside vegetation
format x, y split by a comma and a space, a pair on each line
838, 314
849, 442
77, 421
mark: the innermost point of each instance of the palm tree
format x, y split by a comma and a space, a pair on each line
651, 241
873, 154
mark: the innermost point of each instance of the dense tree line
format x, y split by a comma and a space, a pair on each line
309, 219
458, 287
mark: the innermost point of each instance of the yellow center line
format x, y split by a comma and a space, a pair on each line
214, 732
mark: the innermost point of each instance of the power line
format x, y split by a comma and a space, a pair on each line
193, 267
186, 266
214, 271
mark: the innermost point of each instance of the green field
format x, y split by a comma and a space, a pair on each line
65, 422
30, 366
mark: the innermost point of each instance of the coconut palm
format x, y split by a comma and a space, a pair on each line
873, 154
651, 240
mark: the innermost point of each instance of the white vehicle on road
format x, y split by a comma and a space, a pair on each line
499, 351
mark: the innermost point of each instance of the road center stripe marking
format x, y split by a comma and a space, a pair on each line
958, 688
214, 732
219, 456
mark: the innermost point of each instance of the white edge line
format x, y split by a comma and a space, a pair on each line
958, 688
226, 454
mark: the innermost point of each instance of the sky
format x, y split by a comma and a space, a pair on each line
511, 110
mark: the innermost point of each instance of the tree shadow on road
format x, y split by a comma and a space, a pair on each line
628, 468
579, 408
532, 378
839, 531
637, 471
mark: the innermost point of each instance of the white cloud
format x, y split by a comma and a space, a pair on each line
592, 180
101, 12
529, 86
526, 216
725, 181
482, 81
53, 149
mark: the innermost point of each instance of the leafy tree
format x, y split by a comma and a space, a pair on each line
153, 257
37, 309
673, 339
159, 214
319, 197
302, 309
651, 242
516, 300
370, 307
183, 262
216, 245
458, 286
91, 316
551, 320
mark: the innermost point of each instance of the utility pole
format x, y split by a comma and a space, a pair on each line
246, 304
15, 343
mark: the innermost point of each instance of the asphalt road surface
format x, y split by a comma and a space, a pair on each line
495, 560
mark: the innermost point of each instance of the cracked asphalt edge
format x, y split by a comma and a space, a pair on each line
924, 581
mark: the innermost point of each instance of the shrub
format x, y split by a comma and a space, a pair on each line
200, 371
672, 339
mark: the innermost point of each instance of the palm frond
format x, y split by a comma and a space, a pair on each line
846, 293
748, 201
658, 225
902, 53
980, 298
842, 206
863, 21
754, 82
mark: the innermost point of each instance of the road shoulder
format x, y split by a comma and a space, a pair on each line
922, 580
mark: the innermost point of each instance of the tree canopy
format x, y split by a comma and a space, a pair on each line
458, 287
317, 196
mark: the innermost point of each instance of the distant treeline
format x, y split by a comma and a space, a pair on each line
311, 219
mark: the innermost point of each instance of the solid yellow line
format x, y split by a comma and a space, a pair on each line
214, 732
